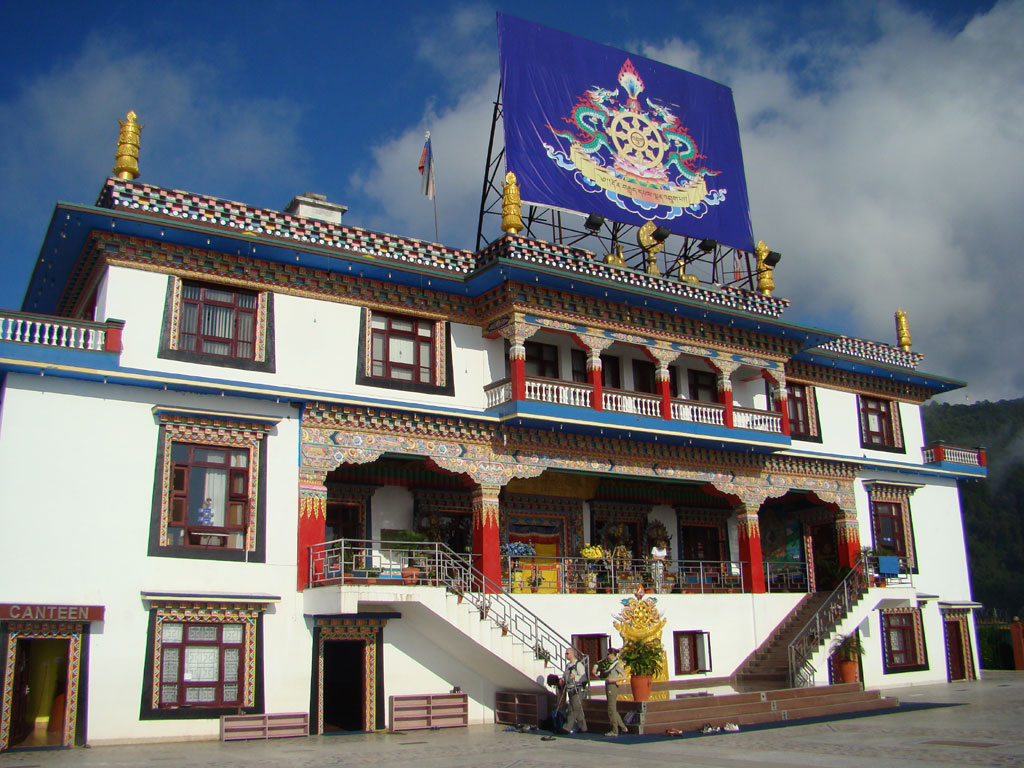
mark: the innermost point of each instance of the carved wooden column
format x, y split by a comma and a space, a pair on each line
595, 345
312, 519
725, 370
517, 332
848, 537
486, 540
750, 551
663, 379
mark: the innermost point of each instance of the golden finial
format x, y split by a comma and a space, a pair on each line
902, 330
511, 206
765, 281
615, 258
126, 164
645, 239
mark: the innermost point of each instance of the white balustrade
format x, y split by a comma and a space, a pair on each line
698, 413
758, 421
51, 332
557, 392
499, 394
968, 456
641, 405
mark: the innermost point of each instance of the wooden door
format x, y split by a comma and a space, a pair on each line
955, 651
20, 726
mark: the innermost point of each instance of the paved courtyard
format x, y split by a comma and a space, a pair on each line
983, 727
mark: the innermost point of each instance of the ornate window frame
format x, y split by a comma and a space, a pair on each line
889, 415
441, 342
248, 614
170, 332
914, 631
899, 497
691, 651
222, 431
809, 404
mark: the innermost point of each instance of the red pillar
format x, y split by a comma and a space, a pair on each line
486, 541
312, 518
725, 396
664, 381
782, 403
517, 367
112, 338
939, 451
594, 374
1017, 641
750, 552
848, 535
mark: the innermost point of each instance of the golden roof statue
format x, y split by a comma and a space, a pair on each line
902, 330
765, 280
126, 162
511, 206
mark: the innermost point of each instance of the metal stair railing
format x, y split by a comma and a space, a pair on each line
824, 621
335, 562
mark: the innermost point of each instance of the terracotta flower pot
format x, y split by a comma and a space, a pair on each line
411, 574
846, 671
641, 685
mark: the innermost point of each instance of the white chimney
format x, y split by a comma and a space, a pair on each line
315, 206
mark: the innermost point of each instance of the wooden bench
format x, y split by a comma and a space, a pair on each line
429, 710
279, 725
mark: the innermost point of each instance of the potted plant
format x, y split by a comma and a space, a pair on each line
541, 653
503, 626
406, 542
846, 651
591, 552
643, 658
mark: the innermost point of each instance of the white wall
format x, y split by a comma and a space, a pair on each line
76, 492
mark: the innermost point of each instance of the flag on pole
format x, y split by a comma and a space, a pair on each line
427, 169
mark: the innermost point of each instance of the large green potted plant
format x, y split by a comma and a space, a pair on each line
643, 658
846, 651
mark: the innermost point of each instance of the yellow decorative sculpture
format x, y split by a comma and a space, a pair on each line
511, 206
902, 330
126, 162
615, 258
765, 280
645, 238
640, 620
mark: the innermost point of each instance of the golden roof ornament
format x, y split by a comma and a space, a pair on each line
765, 281
902, 330
615, 258
511, 206
645, 239
126, 162
640, 621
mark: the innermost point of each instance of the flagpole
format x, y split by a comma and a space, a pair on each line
437, 237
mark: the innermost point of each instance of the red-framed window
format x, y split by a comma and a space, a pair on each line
644, 377
541, 360
218, 320
900, 639
692, 652
201, 664
803, 416
402, 348
888, 528
209, 496
879, 424
703, 386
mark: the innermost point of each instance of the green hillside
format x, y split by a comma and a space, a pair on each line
992, 507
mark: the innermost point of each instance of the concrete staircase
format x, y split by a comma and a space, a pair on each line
691, 712
768, 666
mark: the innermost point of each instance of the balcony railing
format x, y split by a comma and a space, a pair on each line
785, 576
561, 575
47, 331
972, 457
580, 395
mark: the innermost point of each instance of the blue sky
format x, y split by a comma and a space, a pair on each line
883, 141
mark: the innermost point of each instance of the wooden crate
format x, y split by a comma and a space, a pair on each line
520, 707
279, 725
428, 710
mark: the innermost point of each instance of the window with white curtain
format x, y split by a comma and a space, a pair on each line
217, 320
209, 499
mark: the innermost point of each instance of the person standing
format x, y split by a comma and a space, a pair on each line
659, 554
573, 679
614, 676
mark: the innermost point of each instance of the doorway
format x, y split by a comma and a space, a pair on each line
39, 692
957, 665
827, 573
344, 686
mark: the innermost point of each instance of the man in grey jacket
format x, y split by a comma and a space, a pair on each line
574, 678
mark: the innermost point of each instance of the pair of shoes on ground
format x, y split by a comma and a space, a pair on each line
615, 733
709, 728
673, 732
732, 727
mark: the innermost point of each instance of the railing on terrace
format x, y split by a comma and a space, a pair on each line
497, 393
782, 576
974, 457
618, 401
561, 575
821, 625
365, 561
758, 421
889, 570
559, 392
698, 413
48, 331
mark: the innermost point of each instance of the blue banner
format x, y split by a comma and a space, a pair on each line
597, 130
